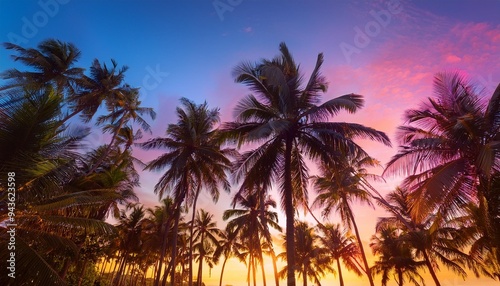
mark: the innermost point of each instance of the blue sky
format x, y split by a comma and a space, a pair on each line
191, 48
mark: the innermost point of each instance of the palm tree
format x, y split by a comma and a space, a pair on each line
449, 152
228, 246
52, 63
251, 226
448, 148
206, 235
104, 85
127, 109
312, 260
431, 241
341, 184
49, 217
341, 245
395, 255
284, 118
130, 227
194, 159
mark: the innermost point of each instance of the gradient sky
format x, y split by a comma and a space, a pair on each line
386, 50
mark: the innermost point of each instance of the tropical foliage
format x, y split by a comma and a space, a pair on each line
71, 200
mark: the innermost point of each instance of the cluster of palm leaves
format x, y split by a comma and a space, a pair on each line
65, 189
446, 212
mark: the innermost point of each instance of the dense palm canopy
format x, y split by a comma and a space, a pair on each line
285, 118
341, 246
450, 152
194, 156
312, 260
447, 212
395, 256
250, 226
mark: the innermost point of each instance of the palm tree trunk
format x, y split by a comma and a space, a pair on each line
275, 268
254, 271
200, 270
249, 268
174, 246
304, 275
262, 267
64, 271
158, 267
117, 262
82, 273
400, 277
358, 237
120, 269
222, 270
165, 274
191, 237
341, 280
290, 214
431, 269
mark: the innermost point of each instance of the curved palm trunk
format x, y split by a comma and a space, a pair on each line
290, 213
341, 279
222, 271
358, 237
431, 269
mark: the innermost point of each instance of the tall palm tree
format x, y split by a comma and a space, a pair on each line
449, 148
339, 186
395, 255
206, 235
341, 246
249, 225
194, 159
285, 118
312, 260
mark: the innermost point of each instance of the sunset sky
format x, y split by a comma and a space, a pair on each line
386, 50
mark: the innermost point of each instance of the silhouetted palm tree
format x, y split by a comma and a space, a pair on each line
285, 118
395, 254
206, 235
339, 186
341, 246
52, 63
312, 260
248, 224
194, 157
